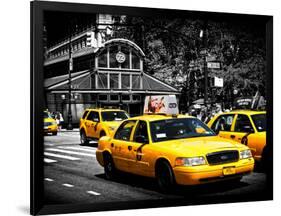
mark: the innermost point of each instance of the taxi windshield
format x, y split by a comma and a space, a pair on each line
178, 128
47, 115
260, 122
113, 116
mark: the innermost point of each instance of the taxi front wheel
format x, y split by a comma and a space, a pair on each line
83, 138
165, 177
109, 168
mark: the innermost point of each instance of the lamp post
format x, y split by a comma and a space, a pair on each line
69, 115
203, 36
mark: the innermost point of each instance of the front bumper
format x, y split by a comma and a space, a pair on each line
51, 129
207, 173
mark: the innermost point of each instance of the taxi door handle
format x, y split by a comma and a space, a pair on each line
232, 136
112, 145
130, 148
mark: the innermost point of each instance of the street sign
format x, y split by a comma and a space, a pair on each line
210, 58
214, 65
218, 82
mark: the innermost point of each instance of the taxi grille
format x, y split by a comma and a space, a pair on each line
222, 157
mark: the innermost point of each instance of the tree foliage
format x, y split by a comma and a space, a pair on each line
173, 50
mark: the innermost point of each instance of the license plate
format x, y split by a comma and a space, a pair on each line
228, 170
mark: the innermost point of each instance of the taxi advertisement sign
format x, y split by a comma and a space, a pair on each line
166, 104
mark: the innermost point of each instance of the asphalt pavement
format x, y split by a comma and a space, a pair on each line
72, 175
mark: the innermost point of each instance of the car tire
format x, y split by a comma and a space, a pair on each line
165, 177
55, 133
83, 139
109, 167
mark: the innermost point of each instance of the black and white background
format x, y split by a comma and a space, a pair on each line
15, 105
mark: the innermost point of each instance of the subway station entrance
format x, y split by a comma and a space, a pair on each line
116, 80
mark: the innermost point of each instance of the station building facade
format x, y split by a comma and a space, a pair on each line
108, 77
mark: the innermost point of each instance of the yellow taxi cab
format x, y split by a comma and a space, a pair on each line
174, 149
50, 124
245, 126
96, 123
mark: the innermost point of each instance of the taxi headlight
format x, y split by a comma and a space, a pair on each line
191, 161
245, 154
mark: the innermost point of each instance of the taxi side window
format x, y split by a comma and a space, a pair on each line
124, 131
93, 116
141, 134
243, 124
223, 123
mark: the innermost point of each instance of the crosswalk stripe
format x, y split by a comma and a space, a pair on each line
47, 160
93, 193
79, 148
61, 156
68, 185
70, 152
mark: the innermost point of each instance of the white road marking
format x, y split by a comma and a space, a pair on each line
61, 156
93, 193
48, 179
67, 185
79, 148
48, 144
70, 152
47, 160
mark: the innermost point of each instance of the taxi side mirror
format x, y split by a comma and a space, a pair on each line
141, 139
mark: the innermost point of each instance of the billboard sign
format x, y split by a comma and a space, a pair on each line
166, 104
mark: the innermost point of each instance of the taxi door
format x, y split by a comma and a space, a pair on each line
91, 124
138, 150
242, 130
120, 144
223, 125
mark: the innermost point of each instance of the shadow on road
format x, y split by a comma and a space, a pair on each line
140, 182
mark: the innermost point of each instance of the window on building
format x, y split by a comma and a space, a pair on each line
114, 97
114, 81
135, 61
126, 52
125, 97
102, 97
125, 81
102, 81
112, 57
136, 98
135, 81
103, 59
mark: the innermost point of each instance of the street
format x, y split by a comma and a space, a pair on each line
72, 175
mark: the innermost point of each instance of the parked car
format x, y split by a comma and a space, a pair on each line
245, 126
173, 149
50, 124
96, 123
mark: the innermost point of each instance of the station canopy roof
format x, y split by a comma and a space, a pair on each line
81, 82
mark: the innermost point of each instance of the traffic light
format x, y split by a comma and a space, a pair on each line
91, 40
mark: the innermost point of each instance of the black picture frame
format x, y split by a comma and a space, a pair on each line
37, 205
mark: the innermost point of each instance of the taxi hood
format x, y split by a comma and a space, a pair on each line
112, 123
199, 145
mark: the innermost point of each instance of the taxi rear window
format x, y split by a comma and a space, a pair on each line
85, 114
